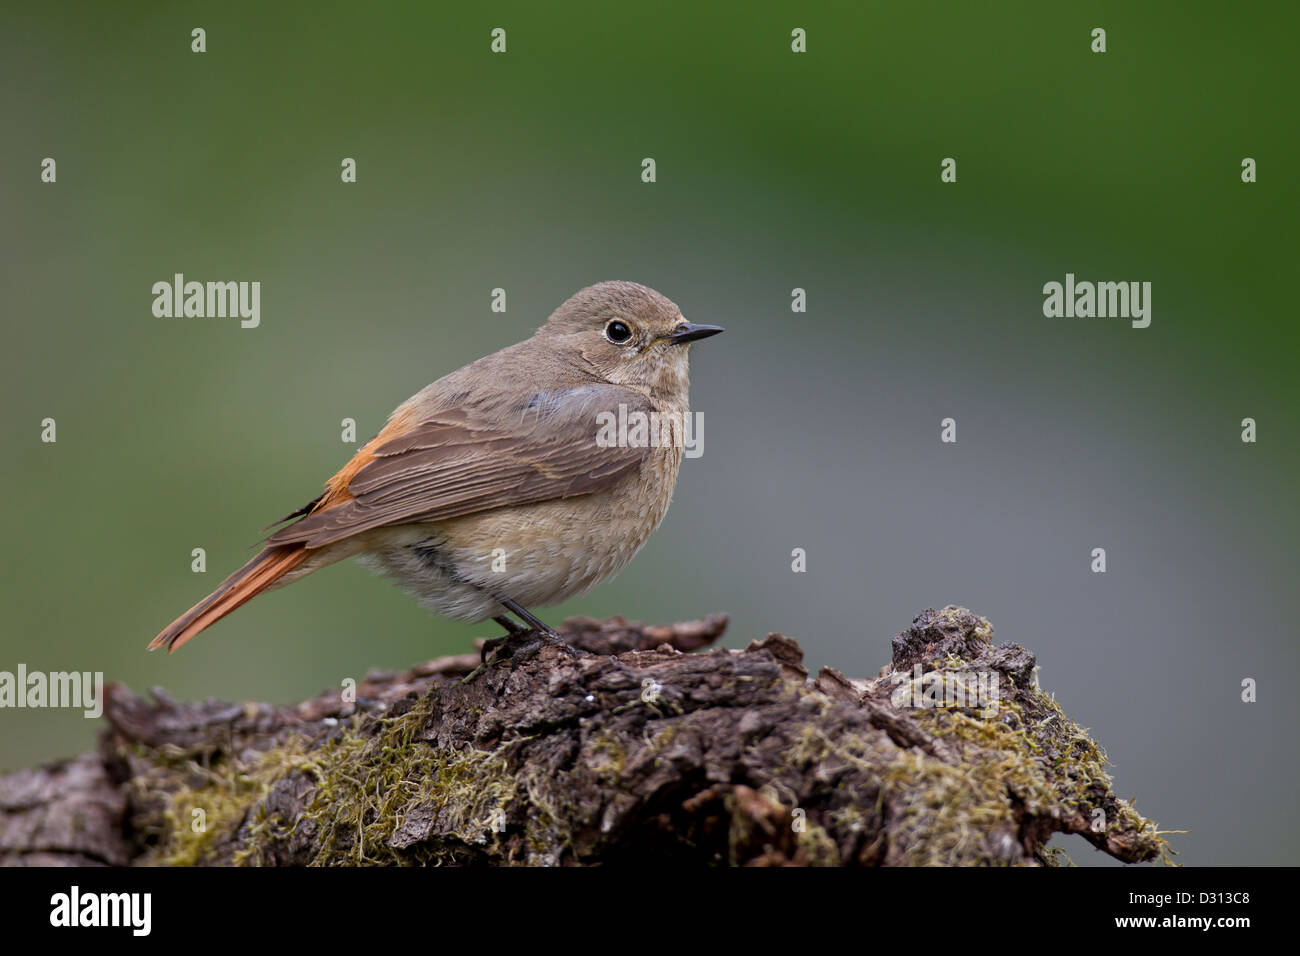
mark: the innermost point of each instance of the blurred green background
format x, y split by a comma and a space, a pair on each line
775, 170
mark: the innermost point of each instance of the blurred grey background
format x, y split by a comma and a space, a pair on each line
775, 171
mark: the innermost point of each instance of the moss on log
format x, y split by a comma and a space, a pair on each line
644, 747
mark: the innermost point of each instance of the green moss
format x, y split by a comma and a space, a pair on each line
363, 787
1026, 757
816, 846
606, 755
197, 817
1022, 758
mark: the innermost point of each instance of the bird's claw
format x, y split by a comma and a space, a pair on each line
517, 648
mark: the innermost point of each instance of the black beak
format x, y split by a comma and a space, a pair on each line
689, 332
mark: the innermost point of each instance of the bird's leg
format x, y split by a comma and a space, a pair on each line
539, 633
536, 629
511, 627
512, 630
547, 635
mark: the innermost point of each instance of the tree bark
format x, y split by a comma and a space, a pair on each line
634, 750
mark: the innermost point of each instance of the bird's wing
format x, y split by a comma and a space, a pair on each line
453, 463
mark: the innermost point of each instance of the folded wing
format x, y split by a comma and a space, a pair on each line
453, 464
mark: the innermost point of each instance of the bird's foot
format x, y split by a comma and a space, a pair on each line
517, 647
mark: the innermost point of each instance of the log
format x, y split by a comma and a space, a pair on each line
648, 746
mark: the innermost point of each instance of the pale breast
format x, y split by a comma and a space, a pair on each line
547, 552
536, 555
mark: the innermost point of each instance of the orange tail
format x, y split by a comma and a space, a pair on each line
267, 567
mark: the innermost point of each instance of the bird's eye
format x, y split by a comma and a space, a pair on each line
618, 332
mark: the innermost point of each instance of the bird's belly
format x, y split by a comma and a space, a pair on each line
536, 555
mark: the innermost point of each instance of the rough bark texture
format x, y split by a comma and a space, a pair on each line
635, 751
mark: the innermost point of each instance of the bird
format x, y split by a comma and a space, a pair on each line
490, 491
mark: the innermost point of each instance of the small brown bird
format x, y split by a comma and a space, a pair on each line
491, 489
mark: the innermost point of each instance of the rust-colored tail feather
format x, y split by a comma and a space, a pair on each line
267, 567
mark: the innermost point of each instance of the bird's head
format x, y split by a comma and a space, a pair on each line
627, 334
